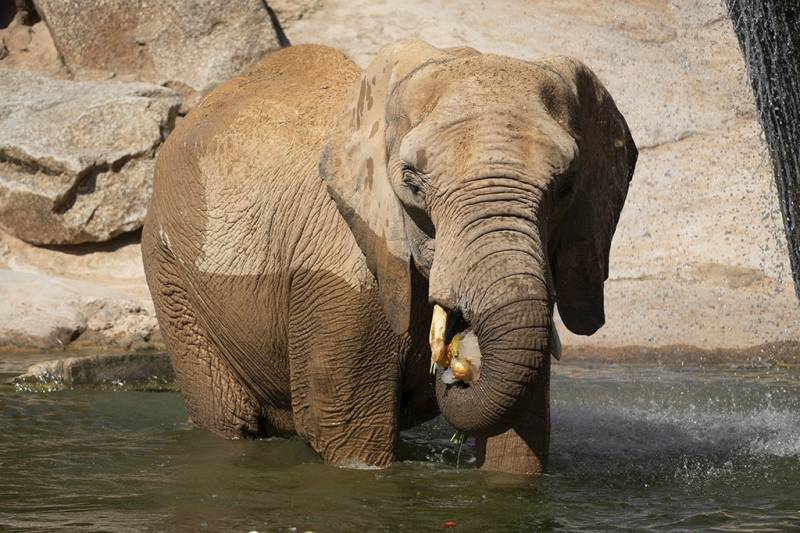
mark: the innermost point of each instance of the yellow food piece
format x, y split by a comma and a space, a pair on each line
465, 362
453, 348
461, 370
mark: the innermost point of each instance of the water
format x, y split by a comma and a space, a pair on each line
633, 447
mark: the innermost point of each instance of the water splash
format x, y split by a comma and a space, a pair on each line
689, 429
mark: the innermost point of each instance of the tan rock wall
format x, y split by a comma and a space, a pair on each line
76, 158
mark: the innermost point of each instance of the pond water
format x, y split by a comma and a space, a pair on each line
633, 447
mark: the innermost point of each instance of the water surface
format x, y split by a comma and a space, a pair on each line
633, 447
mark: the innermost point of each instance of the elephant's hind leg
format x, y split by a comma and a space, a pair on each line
215, 400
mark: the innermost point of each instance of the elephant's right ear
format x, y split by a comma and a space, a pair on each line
354, 167
605, 165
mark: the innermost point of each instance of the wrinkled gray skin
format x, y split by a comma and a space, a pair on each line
307, 215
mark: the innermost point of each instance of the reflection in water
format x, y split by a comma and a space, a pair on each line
633, 447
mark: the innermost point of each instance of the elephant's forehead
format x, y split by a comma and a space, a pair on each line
485, 83
449, 142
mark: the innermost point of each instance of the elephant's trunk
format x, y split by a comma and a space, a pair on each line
494, 273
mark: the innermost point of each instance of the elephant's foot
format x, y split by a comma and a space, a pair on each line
523, 449
514, 452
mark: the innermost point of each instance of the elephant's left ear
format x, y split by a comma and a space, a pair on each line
354, 167
606, 160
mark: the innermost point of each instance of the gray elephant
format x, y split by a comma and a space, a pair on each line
308, 217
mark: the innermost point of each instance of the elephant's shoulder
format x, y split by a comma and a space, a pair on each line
288, 83
251, 151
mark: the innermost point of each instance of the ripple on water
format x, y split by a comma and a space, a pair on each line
632, 448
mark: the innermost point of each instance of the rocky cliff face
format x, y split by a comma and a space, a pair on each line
76, 158
189, 45
700, 256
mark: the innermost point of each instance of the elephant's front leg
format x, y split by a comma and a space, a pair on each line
345, 373
523, 449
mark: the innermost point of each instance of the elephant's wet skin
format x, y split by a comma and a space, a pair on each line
307, 216
241, 382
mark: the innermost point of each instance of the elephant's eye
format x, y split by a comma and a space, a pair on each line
566, 184
411, 180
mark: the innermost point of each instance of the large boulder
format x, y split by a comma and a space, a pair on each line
76, 158
89, 296
184, 42
42, 312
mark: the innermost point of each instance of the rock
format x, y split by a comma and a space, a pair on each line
126, 369
40, 312
30, 48
77, 297
197, 44
698, 14
76, 158
289, 11
116, 263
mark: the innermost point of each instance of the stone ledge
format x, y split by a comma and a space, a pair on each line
151, 370
774, 354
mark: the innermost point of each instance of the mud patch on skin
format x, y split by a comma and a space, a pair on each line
422, 159
370, 172
369, 96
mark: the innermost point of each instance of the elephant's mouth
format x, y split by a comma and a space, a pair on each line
455, 350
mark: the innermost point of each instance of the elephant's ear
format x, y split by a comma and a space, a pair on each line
354, 167
604, 168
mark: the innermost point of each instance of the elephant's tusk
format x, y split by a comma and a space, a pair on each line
439, 352
555, 343
462, 356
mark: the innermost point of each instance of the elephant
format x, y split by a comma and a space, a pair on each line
308, 216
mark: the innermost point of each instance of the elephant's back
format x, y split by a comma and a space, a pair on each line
227, 172
292, 96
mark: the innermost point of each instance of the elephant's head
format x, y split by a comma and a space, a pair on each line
501, 182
